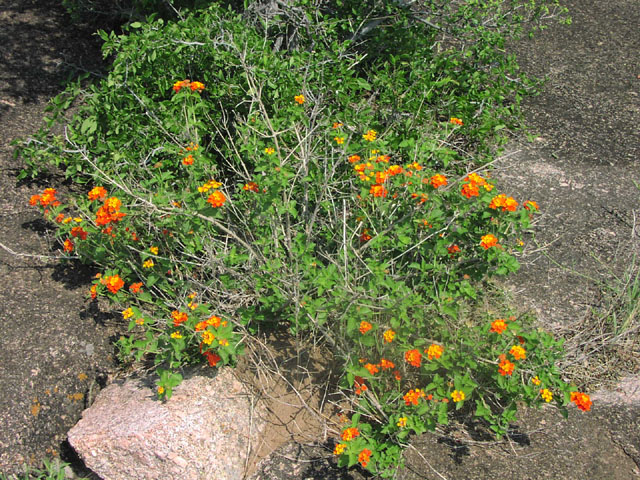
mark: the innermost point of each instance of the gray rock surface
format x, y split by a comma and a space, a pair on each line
205, 431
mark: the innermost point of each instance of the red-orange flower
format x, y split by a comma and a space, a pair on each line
359, 385
365, 327
212, 358
196, 86
365, 237
217, 199
505, 367
188, 160
371, 368
412, 396
378, 190
434, 351
364, 457
113, 283
350, 433
251, 186
518, 352
109, 212
387, 364
354, 158
179, 85
179, 318
498, 326
48, 197
453, 249
413, 357
456, 121
97, 193
389, 335
135, 287
381, 177
94, 292
79, 232
470, 190
503, 202
582, 401
438, 181
488, 241
68, 246
394, 170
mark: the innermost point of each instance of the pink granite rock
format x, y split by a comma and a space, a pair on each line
205, 431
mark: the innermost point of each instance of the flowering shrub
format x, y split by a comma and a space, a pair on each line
268, 191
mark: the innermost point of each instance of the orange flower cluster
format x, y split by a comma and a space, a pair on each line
412, 396
504, 202
113, 283
456, 121
179, 318
354, 158
364, 457
582, 401
488, 241
361, 169
387, 364
135, 287
188, 160
208, 186
359, 385
46, 198
471, 189
518, 352
194, 86
109, 212
216, 199
498, 326
97, 193
434, 351
79, 232
350, 433
371, 368
212, 321
365, 237
378, 190
438, 181
453, 249
388, 336
415, 166
212, 358
365, 327
505, 367
299, 99
413, 357
68, 246
251, 186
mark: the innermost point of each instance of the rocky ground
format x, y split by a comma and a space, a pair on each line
56, 348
